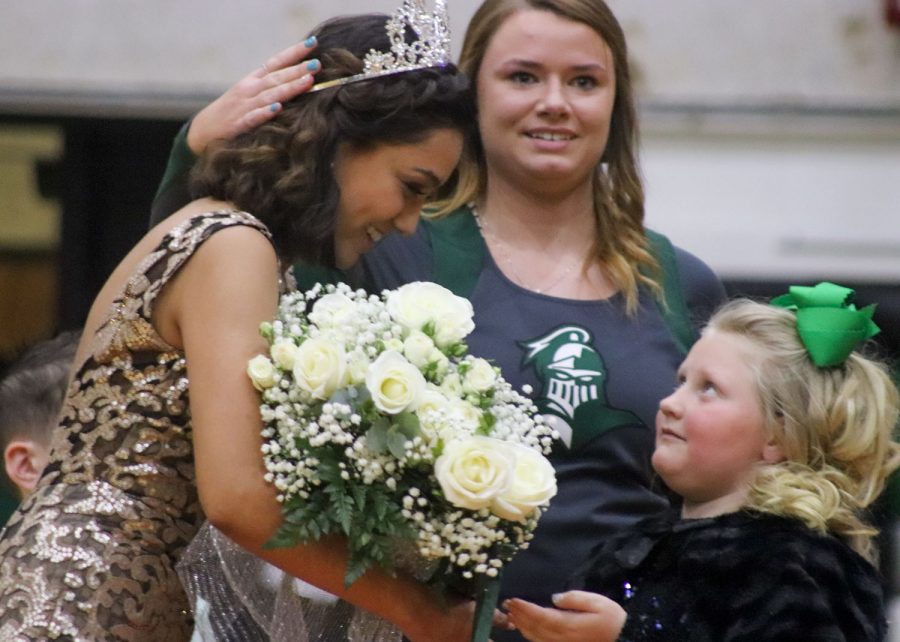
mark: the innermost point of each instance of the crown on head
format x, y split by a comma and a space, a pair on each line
431, 48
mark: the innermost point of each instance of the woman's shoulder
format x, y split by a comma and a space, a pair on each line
702, 287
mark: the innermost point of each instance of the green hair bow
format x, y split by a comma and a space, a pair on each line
829, 324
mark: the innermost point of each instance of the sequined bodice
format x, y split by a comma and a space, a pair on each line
90, 554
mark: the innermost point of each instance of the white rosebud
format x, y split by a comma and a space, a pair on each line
417, 304
261, 372
480, 377
332, 310
394, 383
284, 353
473, 471
320, 367
452, 386
418, 348
442, 362
533, 485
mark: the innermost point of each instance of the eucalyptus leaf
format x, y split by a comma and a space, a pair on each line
396, 442
408, 424
377, 436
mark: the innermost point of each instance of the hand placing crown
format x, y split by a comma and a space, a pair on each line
431, 47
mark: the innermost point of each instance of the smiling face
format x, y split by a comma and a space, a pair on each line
710, 433
384, 188
546, 89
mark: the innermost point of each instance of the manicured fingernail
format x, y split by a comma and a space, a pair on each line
309, 42
556, 597
273, 107
312, 65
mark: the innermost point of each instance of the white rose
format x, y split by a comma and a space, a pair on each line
284, 353
416, 304
452, 385
432, 400
533, 484
480, 376
332, 310
429, 411
394, 383
467, 414
443, 363
261, 372
418, 348
320, 367
473, 472
455, 322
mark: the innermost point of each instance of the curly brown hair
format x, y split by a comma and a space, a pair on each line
282, 171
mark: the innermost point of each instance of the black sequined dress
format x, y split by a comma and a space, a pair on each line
741, 577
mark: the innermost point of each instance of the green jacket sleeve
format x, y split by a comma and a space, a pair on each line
172, 193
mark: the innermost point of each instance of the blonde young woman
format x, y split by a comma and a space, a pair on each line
777, 437
574, 299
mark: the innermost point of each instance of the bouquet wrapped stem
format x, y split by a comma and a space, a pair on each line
486, 598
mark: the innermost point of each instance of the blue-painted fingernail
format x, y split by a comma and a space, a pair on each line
312, 65
309, 42
273, 107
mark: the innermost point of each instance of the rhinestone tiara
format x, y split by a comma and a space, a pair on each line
431, 48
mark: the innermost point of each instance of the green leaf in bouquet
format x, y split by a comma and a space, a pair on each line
485, 400
329, 470
396, 442
341, 396
486, 424
428, 329
377, 435
381, 505
342, 506
359, 496
408, 424
355, 570
267, 332
457, 350
284, 537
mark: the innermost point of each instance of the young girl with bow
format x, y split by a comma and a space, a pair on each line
777, 437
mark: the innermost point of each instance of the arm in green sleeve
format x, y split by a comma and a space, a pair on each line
173, 193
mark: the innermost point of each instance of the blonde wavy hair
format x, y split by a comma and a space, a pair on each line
834, 426
621, 243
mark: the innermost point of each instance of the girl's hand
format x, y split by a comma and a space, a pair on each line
256, 97
580, 616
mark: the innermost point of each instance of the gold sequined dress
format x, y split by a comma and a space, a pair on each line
90, 555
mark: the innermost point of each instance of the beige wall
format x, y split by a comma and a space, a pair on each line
29, 238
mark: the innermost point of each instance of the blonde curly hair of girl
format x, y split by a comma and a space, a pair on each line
834, 425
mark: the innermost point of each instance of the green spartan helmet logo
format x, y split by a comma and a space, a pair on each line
573, 375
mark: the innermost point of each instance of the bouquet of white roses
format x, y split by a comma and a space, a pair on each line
380, 427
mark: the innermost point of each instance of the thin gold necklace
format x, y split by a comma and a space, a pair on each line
488, 234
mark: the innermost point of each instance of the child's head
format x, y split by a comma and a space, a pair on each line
826, 428
31, 395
